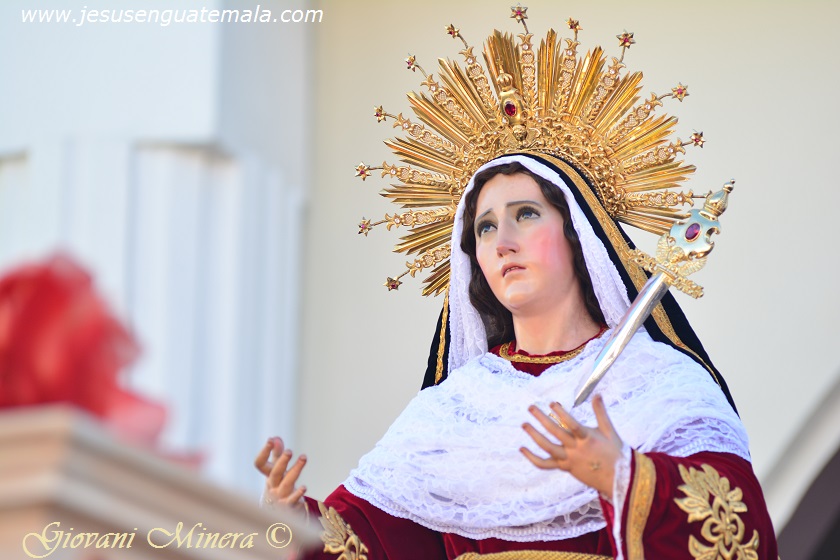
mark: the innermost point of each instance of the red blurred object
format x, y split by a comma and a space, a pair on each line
59, 342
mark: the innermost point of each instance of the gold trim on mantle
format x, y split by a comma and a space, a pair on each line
638, 506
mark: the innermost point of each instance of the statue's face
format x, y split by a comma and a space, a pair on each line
521, 247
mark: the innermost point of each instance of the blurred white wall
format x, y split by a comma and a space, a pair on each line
170, 160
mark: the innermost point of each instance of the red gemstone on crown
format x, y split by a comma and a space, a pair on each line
510, 108
692, 232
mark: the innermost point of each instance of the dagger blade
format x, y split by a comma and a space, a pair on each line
649, 296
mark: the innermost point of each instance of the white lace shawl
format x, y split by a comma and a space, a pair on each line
451, 461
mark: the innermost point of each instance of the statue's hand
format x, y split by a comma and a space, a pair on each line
272, 461
589, 454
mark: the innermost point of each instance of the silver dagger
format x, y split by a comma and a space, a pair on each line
680, 252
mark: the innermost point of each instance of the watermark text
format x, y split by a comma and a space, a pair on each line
169, 16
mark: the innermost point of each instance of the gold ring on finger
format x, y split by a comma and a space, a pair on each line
559, 422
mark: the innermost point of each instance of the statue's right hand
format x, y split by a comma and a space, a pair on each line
272, 461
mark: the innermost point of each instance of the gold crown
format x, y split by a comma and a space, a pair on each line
578, 109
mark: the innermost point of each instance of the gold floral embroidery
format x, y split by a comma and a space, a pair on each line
339, 537
709, 499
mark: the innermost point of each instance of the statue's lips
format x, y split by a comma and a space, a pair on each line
512, 267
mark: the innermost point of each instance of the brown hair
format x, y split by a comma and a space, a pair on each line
498, 321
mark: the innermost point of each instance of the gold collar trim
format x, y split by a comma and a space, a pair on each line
504, 352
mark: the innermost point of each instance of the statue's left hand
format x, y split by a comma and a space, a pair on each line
589, 454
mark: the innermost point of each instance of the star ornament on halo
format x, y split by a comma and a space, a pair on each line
453, 31
363, 171
430, 83
392, 283
697, 139
680, 92
411, 61
574, 24
518, 13
379, 113
625, 40
364, 226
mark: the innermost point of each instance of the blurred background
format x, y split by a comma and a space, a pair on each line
204, 173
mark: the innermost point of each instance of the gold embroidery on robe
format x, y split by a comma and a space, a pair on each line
639, 504
710, 499
339, 537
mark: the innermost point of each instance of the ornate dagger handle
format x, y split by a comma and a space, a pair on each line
680, 252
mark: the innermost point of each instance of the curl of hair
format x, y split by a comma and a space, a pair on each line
498, 321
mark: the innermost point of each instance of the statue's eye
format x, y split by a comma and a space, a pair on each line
527, 213
484, 227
